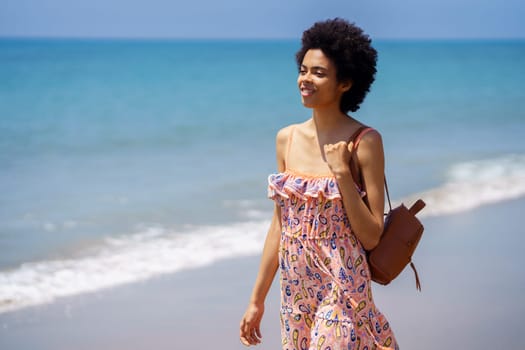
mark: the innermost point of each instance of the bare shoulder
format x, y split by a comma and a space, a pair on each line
281, 143
284, 134
371, 137
370, 147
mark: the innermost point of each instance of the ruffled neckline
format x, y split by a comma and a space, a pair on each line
292, 183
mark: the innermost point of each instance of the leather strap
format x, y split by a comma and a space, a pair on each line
356, 135
417, 206
356, 138
387, 195
354, 165
418, 283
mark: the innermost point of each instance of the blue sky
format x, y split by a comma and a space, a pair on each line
259, 19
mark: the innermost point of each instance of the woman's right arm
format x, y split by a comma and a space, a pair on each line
250, 327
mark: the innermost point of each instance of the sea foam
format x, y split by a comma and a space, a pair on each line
475, 183
159, 250
127, 259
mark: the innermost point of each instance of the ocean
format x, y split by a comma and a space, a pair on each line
122, 160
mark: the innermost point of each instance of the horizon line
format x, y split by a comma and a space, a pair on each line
255, 38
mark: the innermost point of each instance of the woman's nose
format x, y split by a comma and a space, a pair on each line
306, 77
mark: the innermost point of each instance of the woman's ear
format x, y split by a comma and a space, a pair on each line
346, 85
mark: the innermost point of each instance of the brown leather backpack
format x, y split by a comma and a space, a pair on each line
401, 235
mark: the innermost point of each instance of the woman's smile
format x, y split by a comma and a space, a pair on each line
306, 90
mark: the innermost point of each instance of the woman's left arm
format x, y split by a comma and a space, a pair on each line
367, 221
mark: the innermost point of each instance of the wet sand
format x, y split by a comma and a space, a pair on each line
471, 268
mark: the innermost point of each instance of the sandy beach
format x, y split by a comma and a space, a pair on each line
470, 266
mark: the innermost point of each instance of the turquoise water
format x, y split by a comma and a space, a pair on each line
110, 148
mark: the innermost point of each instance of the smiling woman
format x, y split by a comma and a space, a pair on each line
323, 221
317, 80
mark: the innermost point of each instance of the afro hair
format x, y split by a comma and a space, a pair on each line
350, 49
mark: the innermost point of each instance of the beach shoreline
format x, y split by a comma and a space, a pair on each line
468, 298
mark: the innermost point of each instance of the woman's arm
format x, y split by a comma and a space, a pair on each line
250, 327
250, 330
367, 221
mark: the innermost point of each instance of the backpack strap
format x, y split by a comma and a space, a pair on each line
354, 165
358, 135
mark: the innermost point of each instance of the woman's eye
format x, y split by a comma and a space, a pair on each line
320, 74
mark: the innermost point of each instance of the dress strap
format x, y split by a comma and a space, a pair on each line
358, 135
289, 145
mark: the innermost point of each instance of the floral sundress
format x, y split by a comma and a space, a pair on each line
326, 297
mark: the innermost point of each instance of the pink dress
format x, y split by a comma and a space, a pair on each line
326, 297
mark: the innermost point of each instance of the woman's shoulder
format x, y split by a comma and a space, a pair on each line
369, 143
286, 133
369, 134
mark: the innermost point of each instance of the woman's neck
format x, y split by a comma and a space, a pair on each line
329, 120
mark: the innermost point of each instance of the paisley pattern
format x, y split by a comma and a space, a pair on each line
326, 297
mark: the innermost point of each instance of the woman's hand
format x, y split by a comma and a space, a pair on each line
250, 327
366, 216
338, 157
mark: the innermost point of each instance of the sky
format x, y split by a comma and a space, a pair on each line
272, 19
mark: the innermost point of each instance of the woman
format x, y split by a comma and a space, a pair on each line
324, 220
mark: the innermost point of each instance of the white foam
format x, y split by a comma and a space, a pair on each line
128, 259
473, 184
157, 250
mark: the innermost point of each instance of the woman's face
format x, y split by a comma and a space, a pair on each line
318, 83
